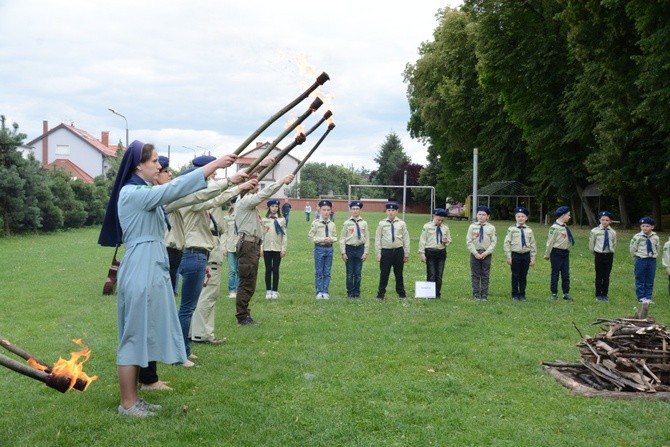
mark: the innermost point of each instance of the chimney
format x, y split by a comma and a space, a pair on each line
104, 138
45, 143
258, 144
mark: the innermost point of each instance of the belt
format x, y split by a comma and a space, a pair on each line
196, 250
323, 245
248, 238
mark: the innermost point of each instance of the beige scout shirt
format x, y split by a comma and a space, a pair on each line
273, 241
558, 238
638, 245
317, 232
429, 239
513, 244
231, 236
247, 218
487, 244
349, 235
175, 237
197, 233
597, 240
384, 236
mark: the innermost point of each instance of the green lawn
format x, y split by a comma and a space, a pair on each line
452, 372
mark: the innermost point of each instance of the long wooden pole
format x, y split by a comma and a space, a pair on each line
320, 80
312, 108
331, 126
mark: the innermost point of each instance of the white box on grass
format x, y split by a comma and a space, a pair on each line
424, 289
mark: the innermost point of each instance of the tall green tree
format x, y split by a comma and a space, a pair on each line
391, 155
602, 105
453, 113
522, 55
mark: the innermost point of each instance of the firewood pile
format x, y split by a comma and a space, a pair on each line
630, 355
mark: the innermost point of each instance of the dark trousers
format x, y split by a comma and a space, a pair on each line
435, 260
174, 257
392, 257
149, 374
272, 260
248, 253
603, 264
354, 268
520, 266
480, 272
560, 264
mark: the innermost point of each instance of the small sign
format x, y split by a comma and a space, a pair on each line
424, 289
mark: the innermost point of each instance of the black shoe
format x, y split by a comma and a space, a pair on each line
380, 298
402, 297
248, 321
567, 297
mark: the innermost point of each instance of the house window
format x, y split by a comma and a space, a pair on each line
62, 149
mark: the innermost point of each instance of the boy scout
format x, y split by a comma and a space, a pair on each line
433, 243
644, 247
558, 251
354, 247
323, 234
602, 242
392, 249
520, 250
481, 241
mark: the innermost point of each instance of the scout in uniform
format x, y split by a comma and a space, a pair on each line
520, 250
644, 247
602, 243
558, 251
433, 243
666, 261
392, 250
481, 241
323, 234
354, 246
230, 248
275, 243
250, 229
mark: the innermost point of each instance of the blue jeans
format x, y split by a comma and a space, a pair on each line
645, 272
192, 269
323, 261
233, 276
354, 266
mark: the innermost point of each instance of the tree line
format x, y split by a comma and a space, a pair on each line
33, 199
556, 94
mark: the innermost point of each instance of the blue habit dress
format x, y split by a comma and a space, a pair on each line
149, 329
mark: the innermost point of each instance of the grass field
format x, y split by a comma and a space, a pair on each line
449, 372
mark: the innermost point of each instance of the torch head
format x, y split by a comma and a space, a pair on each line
318, 102
327, 115
322, 78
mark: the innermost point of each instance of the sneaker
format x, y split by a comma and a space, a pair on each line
567, 297
319, 296
325, 296
232, 294
147, 406
402, 297
522, 298
136, 411
646, 301
485, 298
248, 321
553, 297
268, 295
275, 295
380, 297
602, 299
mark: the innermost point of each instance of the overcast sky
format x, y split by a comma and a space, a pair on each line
206, 74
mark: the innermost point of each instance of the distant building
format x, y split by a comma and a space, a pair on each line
73, 150
282, 169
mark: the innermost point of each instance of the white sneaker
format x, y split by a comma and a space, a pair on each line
319, 296
268, 295
646, 301
325, 296
275, 295
232, 295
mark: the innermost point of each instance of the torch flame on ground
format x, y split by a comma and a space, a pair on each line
74, 368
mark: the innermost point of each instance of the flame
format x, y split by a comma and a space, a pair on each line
35, 364
305, 67
299, 130
74, 368
330, 120
291, 119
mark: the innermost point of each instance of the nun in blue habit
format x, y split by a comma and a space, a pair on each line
149, 329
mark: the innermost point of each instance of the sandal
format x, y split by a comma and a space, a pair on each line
158, 386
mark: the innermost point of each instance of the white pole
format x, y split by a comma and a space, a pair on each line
475, 161
404, 193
